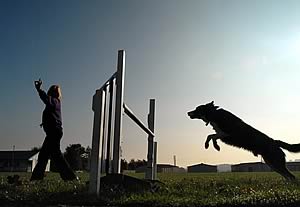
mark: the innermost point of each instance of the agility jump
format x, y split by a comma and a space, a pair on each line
108, 106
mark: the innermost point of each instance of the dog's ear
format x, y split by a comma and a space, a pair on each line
212, 105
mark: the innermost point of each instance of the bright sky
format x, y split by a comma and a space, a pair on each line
244, 55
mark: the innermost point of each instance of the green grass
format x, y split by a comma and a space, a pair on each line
223, 189
52, 190
195, 189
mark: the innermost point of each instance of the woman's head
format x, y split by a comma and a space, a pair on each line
54, 91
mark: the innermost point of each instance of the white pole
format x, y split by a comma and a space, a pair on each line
137, 120
95, 171
151, 118
109, 129
104, 137
118, 111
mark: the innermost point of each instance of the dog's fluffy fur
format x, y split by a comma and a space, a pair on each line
234, 131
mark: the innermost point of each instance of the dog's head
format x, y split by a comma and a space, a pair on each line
202, 111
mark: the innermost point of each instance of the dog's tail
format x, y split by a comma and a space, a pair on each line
289, 147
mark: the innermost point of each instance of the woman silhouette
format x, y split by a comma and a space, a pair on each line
52, 125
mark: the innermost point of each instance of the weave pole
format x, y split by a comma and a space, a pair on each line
108, 107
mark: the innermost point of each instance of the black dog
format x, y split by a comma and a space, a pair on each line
233, 131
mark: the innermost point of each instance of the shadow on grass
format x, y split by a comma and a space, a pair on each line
53, 192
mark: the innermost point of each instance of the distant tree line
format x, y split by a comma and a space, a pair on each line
132, 164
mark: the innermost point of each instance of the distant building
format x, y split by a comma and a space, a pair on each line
163, 168
293, 166
19, 161
224, 168
251, 167
167, 168
201, 168
262, 167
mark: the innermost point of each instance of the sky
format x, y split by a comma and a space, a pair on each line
244, 55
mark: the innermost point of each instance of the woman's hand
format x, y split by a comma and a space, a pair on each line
38, 84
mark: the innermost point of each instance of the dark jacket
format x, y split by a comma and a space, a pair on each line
51, 119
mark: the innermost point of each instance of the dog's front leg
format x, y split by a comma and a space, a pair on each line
213, 137
216, 146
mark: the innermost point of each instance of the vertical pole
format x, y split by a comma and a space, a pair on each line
95, 171
13, 159
155, 162
104, 137
151, 117
174, 158
109, 140
118, 111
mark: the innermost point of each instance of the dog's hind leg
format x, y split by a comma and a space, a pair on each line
276, 160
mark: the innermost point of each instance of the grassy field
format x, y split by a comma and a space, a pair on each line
211, 189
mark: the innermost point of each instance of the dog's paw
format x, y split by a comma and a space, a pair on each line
206, 145
216, 146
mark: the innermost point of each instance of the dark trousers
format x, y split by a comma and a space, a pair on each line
51, 150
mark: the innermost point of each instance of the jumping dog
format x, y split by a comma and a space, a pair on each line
234, 131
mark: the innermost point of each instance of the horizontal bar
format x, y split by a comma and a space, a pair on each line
108, 81
136, 120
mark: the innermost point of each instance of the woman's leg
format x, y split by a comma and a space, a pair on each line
44, 155
63, 167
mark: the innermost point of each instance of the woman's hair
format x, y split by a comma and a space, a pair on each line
54, 91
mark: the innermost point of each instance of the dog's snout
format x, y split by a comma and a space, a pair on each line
190, 113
